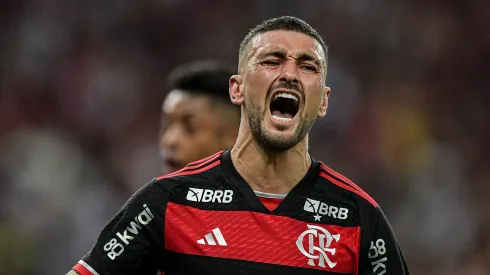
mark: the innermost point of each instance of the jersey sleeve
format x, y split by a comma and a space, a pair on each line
380, 252
132, 242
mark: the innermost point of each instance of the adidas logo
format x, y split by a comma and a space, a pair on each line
212, 237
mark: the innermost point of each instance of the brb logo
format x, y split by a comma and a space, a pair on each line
320, 208
318, 241
208, 195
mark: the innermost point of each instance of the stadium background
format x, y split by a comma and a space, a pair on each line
81, 84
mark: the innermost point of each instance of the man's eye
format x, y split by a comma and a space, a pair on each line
309, 68
271, 62
189, 128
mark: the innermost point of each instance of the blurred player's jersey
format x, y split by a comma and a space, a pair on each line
205, 219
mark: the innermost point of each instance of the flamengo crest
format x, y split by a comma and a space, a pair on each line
318, 240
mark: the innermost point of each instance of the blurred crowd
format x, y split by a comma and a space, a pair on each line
81, 83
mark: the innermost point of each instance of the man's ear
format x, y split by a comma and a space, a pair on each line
323, 108
236, 90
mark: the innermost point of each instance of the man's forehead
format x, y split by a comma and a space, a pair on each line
173, 99
180, 102
285, 40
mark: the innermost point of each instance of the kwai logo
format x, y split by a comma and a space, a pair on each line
115, 248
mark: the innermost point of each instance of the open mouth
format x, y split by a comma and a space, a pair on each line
284, 106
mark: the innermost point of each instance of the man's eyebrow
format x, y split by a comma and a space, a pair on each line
308, 57
300, 57
279, 54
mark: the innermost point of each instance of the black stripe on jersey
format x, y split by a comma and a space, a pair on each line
324, 168
331, 201
180, 193
349, 184
185, 264
208, 180
243, 198
336, 177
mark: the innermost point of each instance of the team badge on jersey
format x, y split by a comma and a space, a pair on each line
318, 245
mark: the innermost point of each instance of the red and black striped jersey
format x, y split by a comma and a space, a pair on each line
205, 219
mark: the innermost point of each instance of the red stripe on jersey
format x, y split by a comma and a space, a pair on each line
348, 181
197, 162
357, 256
196, 165
80, 269
348, 187
191, 172
260, 237
340, 176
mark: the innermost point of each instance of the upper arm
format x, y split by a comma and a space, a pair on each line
132, 242
380, 252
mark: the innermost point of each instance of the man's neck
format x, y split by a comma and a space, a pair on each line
270, 172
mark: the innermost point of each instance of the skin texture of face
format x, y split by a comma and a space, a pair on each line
193, 128
285, 61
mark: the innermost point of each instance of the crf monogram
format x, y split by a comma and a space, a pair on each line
319, 241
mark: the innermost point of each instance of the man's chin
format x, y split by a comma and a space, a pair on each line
279, 142
172, 166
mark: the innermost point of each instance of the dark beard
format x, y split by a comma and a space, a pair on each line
268, 142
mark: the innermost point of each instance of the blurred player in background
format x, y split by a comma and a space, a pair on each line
198, 118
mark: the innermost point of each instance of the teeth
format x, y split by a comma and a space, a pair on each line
281, 118
286, 95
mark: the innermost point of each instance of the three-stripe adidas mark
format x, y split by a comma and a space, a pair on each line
210, 240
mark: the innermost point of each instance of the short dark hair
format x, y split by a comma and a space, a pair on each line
209, 78
289, 23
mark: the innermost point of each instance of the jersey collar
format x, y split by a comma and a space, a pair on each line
296, 195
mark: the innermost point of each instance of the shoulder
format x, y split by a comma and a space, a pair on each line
200, 169
343, 183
